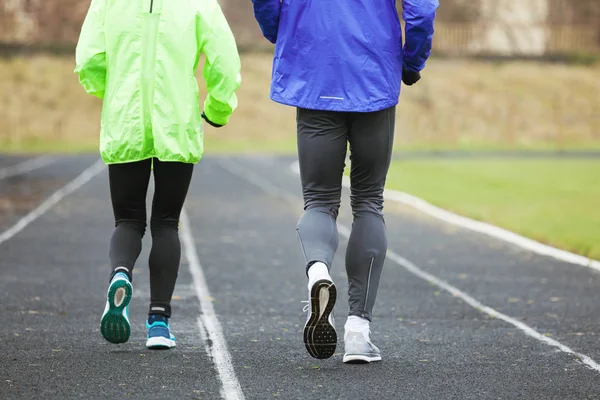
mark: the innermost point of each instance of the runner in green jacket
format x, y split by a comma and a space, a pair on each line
140, 57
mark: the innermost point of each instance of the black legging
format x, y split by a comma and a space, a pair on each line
128, 189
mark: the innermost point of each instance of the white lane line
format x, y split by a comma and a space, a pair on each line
391, 255
210, 327
481, 227
47, 204
344, 231
25, 166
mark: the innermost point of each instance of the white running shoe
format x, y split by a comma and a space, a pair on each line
358, 348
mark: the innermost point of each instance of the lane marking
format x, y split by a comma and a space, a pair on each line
210, 327
25, 166
344, 231
51, 201
477, 226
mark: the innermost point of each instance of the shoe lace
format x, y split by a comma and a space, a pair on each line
306, 306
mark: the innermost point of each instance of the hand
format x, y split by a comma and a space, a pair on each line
204, 117
410, 78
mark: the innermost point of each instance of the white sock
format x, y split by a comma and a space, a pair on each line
316, 272
356, 323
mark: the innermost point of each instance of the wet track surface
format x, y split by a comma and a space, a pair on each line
243, 212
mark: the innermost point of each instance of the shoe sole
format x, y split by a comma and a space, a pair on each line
114, 326
360, 359
320, 337
160, 343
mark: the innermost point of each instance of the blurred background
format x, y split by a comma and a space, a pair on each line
503, 127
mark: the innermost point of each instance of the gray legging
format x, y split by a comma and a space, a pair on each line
323, 137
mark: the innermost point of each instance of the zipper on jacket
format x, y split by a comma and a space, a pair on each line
148, 73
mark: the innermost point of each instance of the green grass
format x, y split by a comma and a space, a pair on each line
542, 147
220, 143
224, 145
212, 145
43, 145
553, 201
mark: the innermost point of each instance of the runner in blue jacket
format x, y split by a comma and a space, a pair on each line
340, 63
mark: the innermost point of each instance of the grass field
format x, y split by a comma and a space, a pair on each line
553, 201
458, 105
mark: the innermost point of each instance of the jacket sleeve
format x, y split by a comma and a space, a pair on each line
266, 13
90, 54
419, 16
222, 68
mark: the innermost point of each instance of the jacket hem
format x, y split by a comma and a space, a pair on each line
110, 160
373, 107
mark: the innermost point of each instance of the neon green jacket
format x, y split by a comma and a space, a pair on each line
140, 57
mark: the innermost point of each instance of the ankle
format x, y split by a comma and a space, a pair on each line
122, 272
158, 318
356, 323
316, 272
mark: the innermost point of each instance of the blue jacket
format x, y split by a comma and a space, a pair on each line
344, 55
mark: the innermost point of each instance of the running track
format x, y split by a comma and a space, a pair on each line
459, 315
